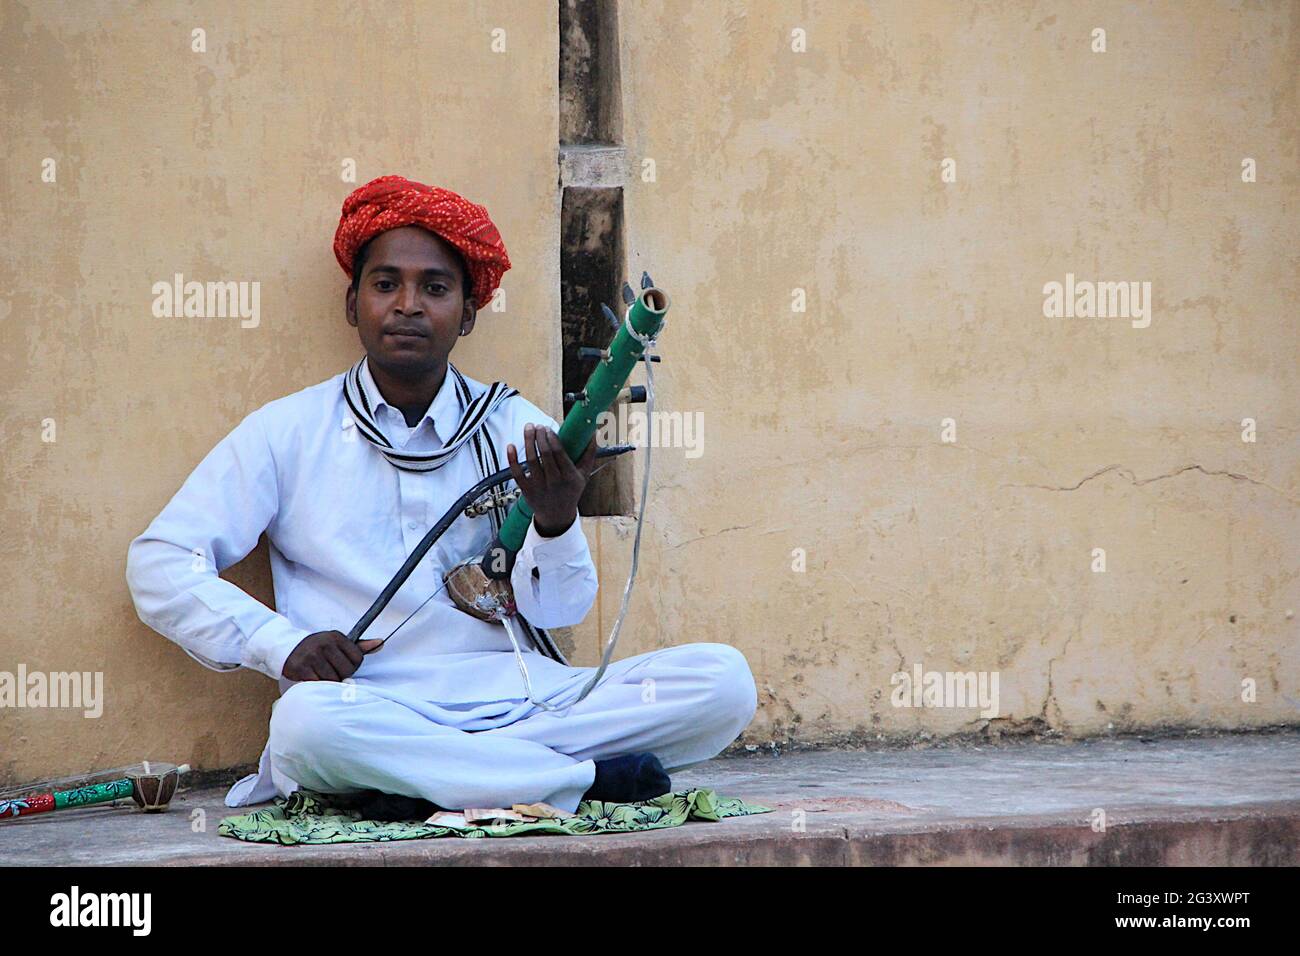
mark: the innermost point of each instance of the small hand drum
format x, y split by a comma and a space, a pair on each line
154, 784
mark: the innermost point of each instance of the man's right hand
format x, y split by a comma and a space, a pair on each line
326, 655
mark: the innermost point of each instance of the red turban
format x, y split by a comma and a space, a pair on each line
390, 202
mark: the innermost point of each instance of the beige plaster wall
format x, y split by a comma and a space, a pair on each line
774, 170
777, 170
224, 165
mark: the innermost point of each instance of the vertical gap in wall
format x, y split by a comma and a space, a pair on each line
592, 254
591, 101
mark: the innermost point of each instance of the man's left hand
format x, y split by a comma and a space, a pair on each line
553, 484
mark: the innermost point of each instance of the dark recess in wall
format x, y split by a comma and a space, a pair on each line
592, 251
591, 273
591, 100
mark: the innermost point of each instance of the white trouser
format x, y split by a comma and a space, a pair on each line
683, 704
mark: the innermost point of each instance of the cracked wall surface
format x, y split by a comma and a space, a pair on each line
820, 171
773, 171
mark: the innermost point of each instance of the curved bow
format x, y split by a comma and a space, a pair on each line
439, 528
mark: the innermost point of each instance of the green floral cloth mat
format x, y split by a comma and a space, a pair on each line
307, 817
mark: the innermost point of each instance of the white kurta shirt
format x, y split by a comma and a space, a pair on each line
340, 520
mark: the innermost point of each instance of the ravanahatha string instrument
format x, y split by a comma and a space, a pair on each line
480, 586
150, 784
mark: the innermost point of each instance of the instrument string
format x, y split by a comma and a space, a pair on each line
408, 617
610, 644
443, 587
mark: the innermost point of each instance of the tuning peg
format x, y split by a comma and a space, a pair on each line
645, 280
629, 296
609, 314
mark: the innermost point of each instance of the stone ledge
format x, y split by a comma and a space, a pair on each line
1226, 801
